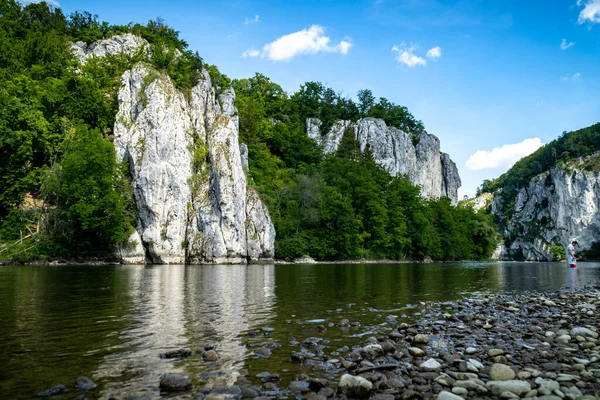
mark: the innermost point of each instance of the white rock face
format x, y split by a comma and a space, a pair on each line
189, 181
398, 152
127, 44
557, 207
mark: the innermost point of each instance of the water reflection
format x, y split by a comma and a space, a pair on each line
177, 306
112, 323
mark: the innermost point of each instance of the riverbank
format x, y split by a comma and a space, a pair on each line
531, 345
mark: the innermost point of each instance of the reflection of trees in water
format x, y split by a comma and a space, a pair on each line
63, 316
381, 285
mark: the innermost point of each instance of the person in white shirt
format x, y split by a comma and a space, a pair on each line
571, 257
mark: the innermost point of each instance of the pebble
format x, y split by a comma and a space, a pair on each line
421, 339
495, 352
431, 365
444, 395
354, 386
501, 372
416, 352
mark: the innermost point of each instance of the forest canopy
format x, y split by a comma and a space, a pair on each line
65, 195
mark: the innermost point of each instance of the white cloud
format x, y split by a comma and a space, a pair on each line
252, 21
504, 156
52, 3
250, 53
571, 77
590, 12
434, 53
306, 41
565, 45
405, 55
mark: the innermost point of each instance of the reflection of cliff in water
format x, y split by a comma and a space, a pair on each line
176, 306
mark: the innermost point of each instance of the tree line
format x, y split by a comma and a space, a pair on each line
63, 194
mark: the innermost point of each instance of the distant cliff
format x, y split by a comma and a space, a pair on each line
556, 207
190, 185
416, 156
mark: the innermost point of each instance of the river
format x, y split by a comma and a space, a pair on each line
111, 323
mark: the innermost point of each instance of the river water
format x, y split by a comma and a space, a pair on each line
111, 323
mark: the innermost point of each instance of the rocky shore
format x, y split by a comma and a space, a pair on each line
537, 346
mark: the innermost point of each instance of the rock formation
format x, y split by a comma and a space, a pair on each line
189, 181
418, 157
557, 206
127, 44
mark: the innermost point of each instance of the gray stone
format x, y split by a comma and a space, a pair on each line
372, 351
421, 339
585, 332
501, 372
56, 390
262, 352
84, 383
430, 365
445, 395
298, 386
546, 386
175, 383
495, 352
513, 386
354, 386
416, 352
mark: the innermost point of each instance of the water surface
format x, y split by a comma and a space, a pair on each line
111, 323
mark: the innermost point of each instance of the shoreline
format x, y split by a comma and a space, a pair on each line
534, 345
96, 262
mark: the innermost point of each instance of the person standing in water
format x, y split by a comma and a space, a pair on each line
571, 257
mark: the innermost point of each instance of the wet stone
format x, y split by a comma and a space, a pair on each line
211, 355
262, 352
298, 386
175, 383
56, 390
181, 353
84, 383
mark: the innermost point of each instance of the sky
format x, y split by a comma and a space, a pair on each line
493, 80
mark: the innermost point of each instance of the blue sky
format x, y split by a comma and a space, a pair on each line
505, 71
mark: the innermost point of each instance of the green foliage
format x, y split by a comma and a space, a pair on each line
79, 199
559, 252
56, 127
94, 209
343, 206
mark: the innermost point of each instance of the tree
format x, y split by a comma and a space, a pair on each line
366, 101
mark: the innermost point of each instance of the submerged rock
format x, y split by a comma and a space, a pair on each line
56, 390
175, 383
84, 383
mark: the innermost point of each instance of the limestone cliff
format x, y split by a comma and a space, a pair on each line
127, 44
418, 157
555, 208
189, 181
